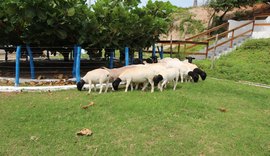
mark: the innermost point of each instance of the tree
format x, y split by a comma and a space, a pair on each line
122, 23
227, 5
45, 23
106, 24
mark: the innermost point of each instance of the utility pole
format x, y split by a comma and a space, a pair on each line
195, 3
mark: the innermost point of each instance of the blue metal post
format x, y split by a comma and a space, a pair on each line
153, 50
111, 58
161, 52
74, 61
18, 56
78, 64
32, 68
126, 56
140, 55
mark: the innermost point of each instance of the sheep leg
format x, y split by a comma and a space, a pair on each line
145, 85
159, 85
90, 87
107, 86
182, 77
131, 86
163, 84
152, 85
175, 82
101, 86
128, 83
137, 86
95, 87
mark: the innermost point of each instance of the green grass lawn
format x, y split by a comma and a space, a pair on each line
249, 62
187, 121
212, 117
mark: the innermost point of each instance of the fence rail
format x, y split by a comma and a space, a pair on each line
202, 41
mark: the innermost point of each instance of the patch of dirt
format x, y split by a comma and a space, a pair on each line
204, 14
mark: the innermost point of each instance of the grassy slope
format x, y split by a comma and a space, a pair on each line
250, 62
182, 122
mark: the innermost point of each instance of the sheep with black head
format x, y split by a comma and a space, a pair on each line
140, 74
96, 76
165, 76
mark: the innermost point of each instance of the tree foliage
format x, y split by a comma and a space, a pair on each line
227, 5
107, 23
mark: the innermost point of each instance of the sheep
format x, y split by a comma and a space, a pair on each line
139, 74
96, 76
197, 70
170, 74
184, 69
189, 59
115, 72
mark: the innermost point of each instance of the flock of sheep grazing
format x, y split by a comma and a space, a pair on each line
164, 71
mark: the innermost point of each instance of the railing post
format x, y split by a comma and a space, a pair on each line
178, 52
232, 39
17, 72
214, 53
253, 25
161, 52
206, 52
171, 47
140, 54
6, 56
32, 68
126, 56
111, 58
74, 61
48, 54
153, 50
185, 46
78, 64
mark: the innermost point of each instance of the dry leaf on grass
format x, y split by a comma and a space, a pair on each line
222, 109
90, 104
34, 138
85, 131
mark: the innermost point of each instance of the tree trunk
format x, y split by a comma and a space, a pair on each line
210, 22
66, 58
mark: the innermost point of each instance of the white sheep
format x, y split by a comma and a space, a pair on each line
184, 70
115, 72
96, 76
139, 74
165, 76
197, 70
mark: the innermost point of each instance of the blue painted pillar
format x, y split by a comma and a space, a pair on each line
126, 56
161, 52
153, 50
74, 61
111, 58
78, 64
140, 55
17, 72
32, 68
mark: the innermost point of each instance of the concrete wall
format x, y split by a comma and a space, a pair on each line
259, 31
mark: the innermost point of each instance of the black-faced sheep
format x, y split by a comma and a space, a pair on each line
97, 76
